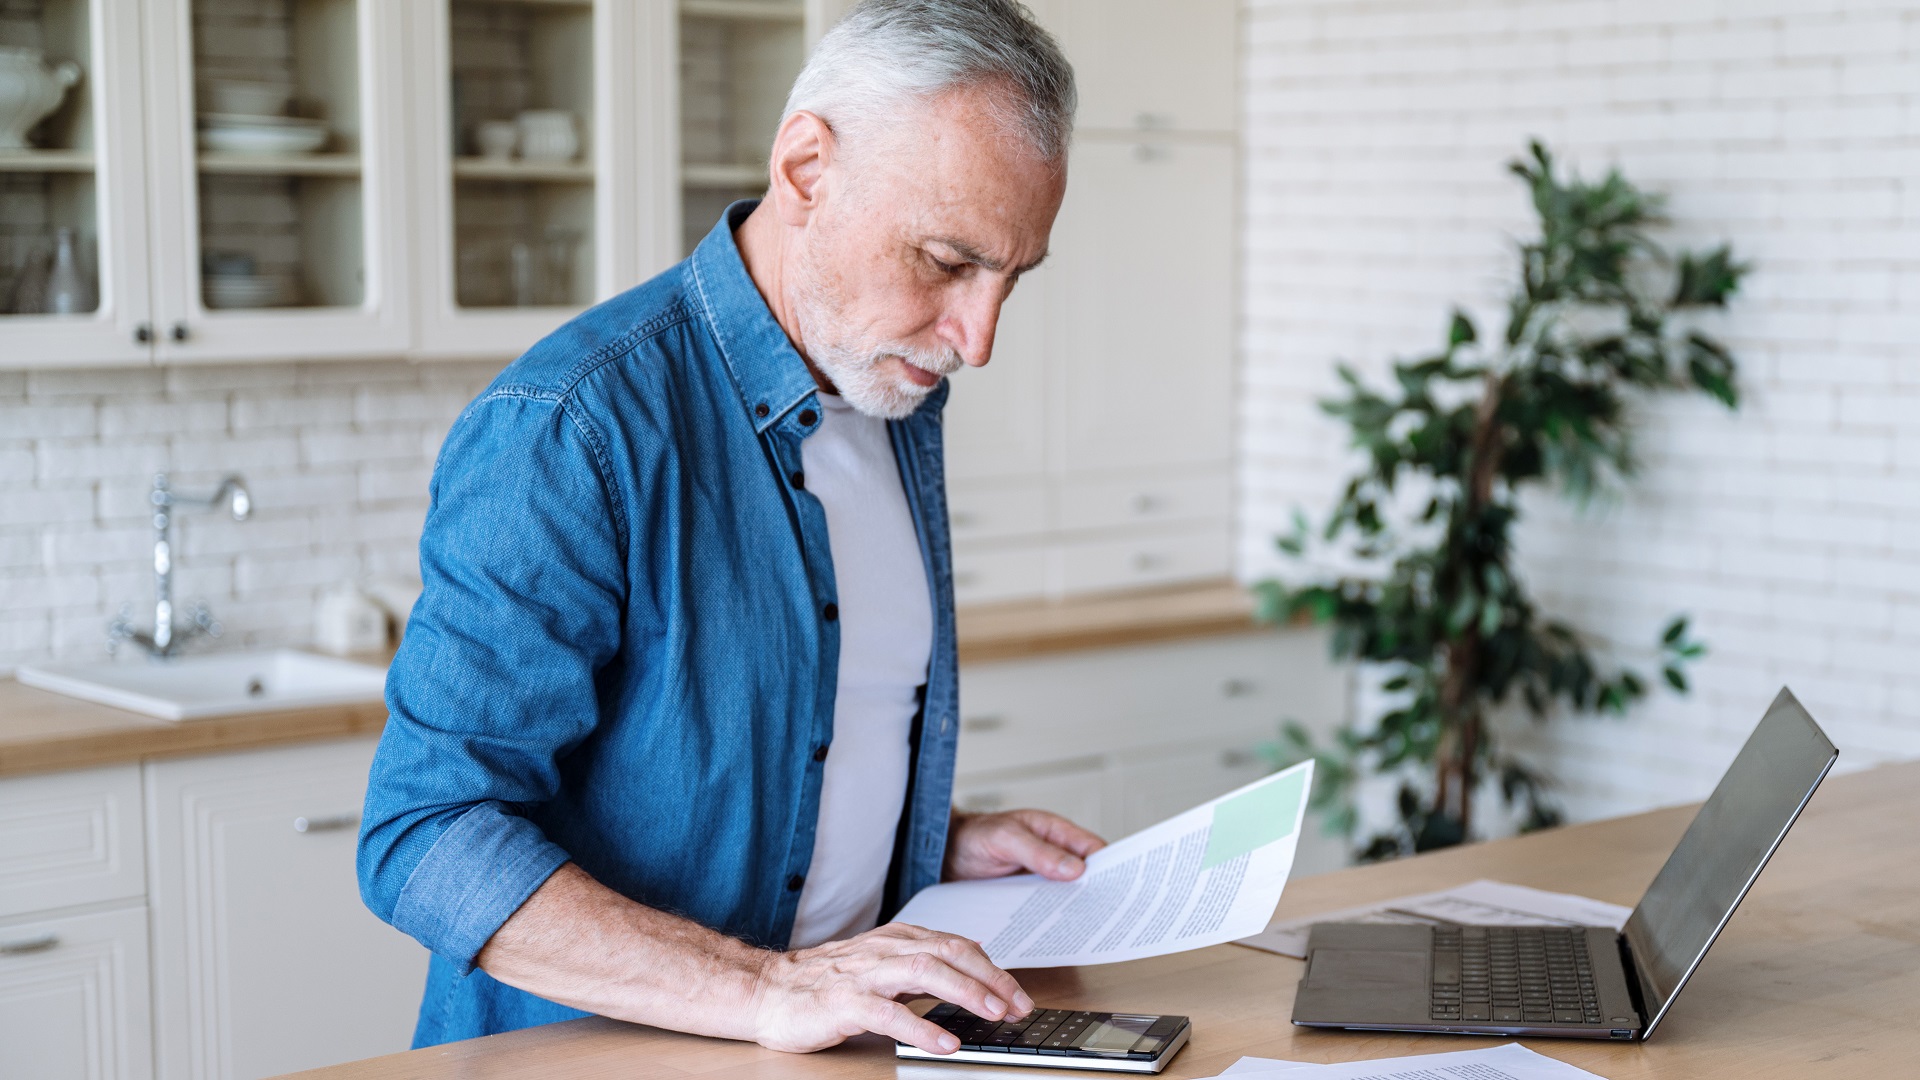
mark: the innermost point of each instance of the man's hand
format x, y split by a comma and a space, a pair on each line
995, 845
809, 999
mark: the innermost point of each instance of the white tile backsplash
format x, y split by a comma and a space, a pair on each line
337, 456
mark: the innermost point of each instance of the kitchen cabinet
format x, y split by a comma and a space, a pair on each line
1110, 394
73, 997
1118, 739
81, 176
264, 959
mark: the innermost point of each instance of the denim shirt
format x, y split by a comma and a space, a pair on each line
625, 654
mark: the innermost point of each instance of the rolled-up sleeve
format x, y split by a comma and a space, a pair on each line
524, 585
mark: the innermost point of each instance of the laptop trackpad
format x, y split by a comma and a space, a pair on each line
1367, 969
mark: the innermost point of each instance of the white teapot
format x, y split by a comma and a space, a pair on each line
29, 90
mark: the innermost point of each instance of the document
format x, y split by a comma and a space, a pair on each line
1201, 878
1509, 1062
1478, 903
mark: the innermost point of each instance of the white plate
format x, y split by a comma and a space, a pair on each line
266, 140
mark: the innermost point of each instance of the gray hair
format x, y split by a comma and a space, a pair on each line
888, 53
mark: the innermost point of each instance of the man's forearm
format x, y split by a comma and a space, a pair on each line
579, 943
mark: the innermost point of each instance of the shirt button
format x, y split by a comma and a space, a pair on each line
831, 612
820, 752
794, 882
761, 410
799, 479
808, 416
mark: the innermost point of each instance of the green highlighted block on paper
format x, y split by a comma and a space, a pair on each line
1256, 818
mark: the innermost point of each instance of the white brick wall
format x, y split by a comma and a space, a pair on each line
1377, 133
337, 457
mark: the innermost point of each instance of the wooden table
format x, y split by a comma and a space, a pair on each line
1817, 976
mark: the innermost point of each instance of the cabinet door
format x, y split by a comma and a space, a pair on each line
73, 221
1150, 64
514, 241
70, 838
1141, 312
1158, 783
73, 998
265, 960
277, 178
1075, 791
996, 417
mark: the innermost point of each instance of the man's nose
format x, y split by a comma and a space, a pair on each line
970, 325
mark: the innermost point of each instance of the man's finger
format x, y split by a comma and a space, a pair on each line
1020, 845
971, 960
897, 1022
1061, 832
926, 973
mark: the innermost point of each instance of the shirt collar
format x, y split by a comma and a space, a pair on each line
766, 370
770, 376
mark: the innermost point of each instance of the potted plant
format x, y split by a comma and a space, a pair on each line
1599, 319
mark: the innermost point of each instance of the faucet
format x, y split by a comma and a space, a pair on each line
167, 637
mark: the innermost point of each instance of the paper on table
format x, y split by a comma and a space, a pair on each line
1479, 903
1203, 877
1509, 1062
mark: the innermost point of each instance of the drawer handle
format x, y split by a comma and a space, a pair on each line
983, 723
326, 824
1144, 503
1237, 688
1147, 562
983, 803
1238, 759
28, 946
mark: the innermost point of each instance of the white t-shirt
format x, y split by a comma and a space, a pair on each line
886, 638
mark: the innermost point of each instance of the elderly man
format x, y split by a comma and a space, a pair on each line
673, 724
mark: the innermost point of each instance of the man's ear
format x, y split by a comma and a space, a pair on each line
802, 150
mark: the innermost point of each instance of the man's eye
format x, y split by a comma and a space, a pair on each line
946, 267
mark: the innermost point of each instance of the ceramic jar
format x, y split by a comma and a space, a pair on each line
29, 90
548, 135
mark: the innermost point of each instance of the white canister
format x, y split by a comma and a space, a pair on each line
348, 621
548, 135
29, 90
497, 139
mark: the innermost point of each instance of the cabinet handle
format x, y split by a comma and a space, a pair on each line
1151, 152
1144, 503
1148, 121
1147, 562
983, 723
30, 945
326, 824
1237, 688
1237, 759
143, 334
178, 332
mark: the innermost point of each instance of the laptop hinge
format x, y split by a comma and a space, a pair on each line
1633, 979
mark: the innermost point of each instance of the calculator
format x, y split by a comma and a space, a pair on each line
1059, 1039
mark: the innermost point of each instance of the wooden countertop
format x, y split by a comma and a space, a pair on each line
45, 732
1816, 976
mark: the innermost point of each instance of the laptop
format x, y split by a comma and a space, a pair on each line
1583, 982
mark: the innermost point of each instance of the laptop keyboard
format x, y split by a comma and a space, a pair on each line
1513, 974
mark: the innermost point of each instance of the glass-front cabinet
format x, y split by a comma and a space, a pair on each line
542, 124
217, 180
73, 232
275, 179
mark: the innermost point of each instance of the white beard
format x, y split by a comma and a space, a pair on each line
854, 364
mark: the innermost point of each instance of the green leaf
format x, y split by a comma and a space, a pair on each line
1460, 331
1675, 678
1676, 630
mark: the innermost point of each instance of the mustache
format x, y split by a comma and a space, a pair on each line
940, 362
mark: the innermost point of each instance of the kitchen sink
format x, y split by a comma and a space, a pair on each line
215, 684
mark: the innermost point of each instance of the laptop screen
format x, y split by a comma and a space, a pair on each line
1723, 850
